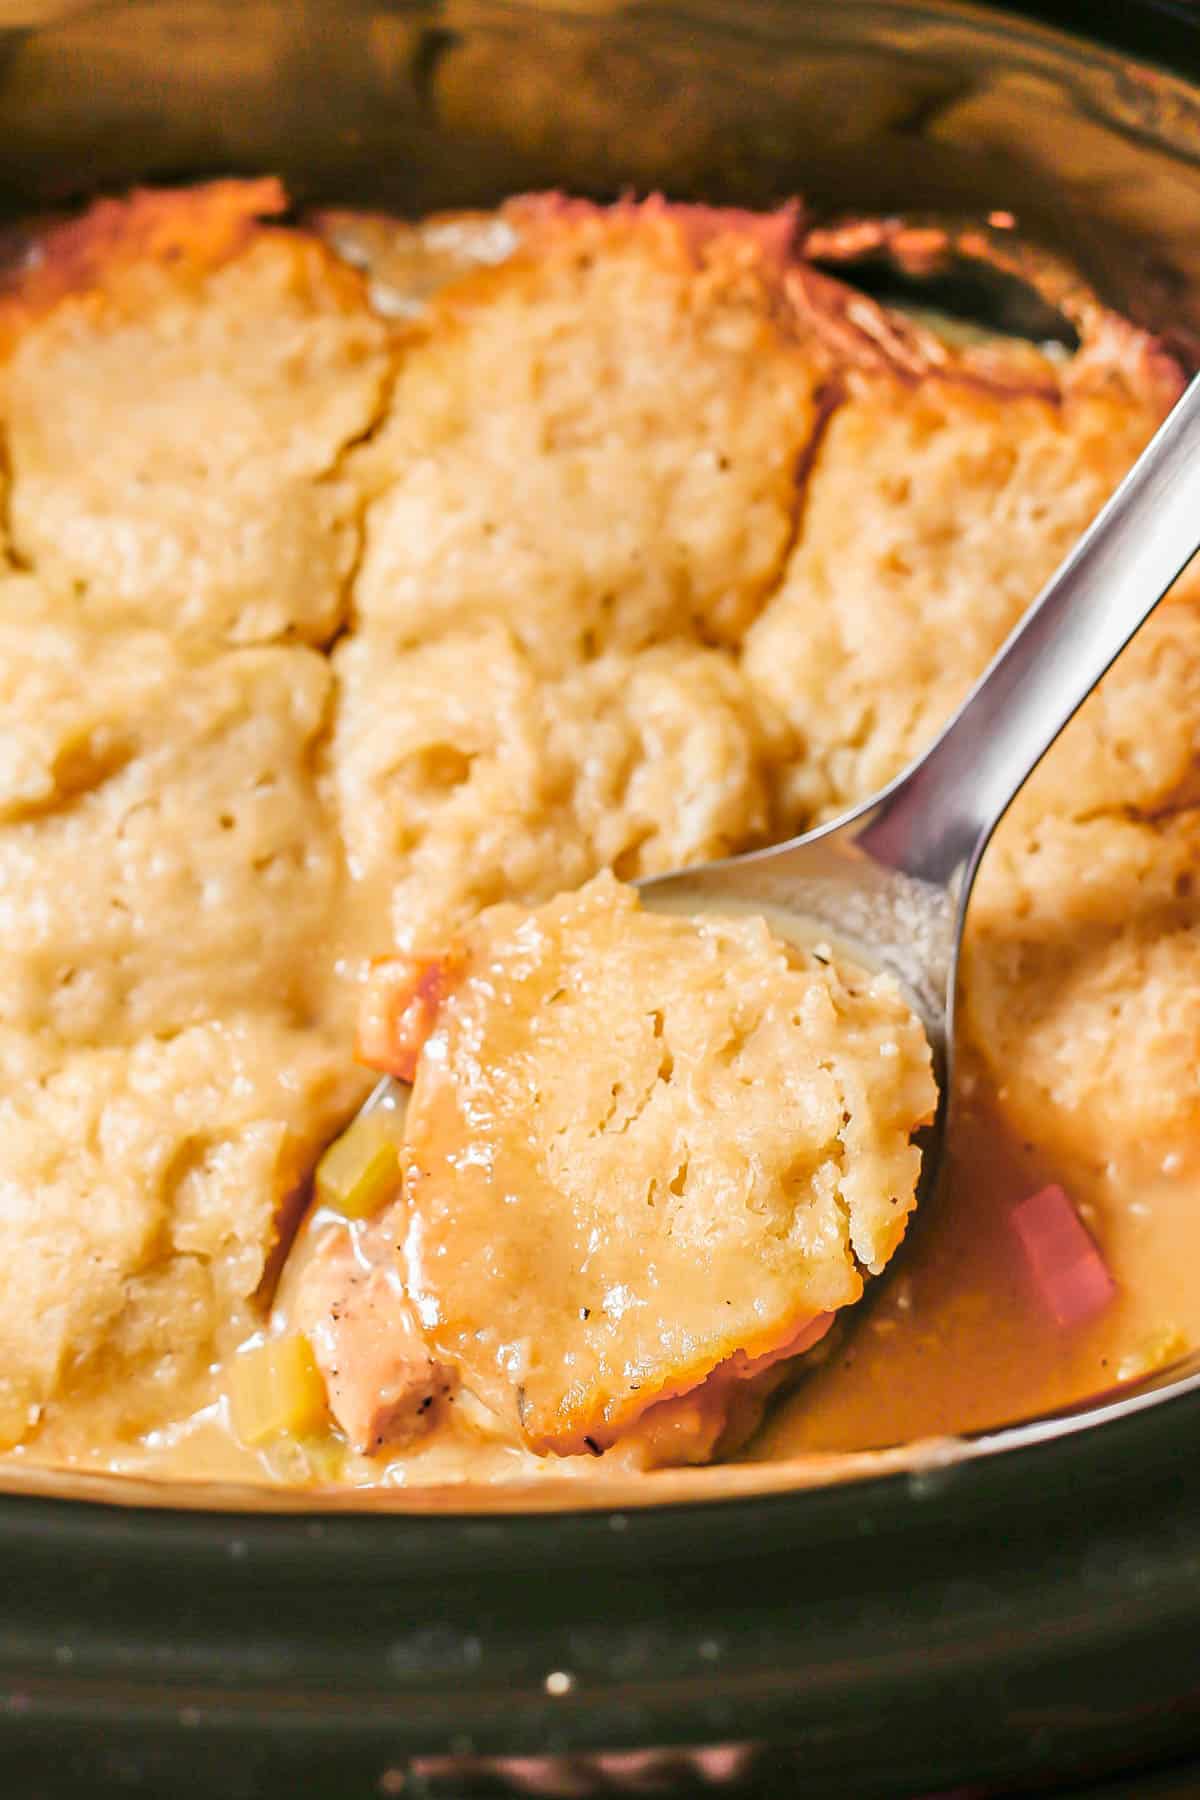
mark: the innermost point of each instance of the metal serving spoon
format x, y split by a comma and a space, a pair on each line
893, 878
891, 881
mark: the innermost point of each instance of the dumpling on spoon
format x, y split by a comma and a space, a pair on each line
642, 1151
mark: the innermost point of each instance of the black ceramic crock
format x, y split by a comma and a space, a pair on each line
1013, 1621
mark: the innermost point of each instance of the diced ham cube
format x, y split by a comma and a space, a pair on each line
1071, 1275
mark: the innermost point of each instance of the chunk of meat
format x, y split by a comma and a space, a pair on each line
719, 1416
382, 1383
1072, 1277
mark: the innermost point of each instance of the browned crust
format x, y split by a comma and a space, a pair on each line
191, 231
194, 228
728, 246
857, 334
1110, 347
773, 237
584, 1422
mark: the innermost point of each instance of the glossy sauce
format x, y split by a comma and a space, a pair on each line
954, 1339
957, 1339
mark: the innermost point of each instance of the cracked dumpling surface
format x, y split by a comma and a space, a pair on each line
1133, 748
1082, 962
140, 1192
461, 778
180, 386
597, 442
638, 1145
164, 855
1082, 990
934, 513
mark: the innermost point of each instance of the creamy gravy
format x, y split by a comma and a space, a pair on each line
953, 1340
956, 1338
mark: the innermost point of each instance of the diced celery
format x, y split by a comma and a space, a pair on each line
314, 1461
324, 1460
361, 1169
276, 1388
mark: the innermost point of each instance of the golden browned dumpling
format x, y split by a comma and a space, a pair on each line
1134, 747
1083, 944
597, 442
180, 392
640, 1145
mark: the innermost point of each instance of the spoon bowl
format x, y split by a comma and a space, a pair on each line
828, 884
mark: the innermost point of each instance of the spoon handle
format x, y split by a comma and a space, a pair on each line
935, 821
